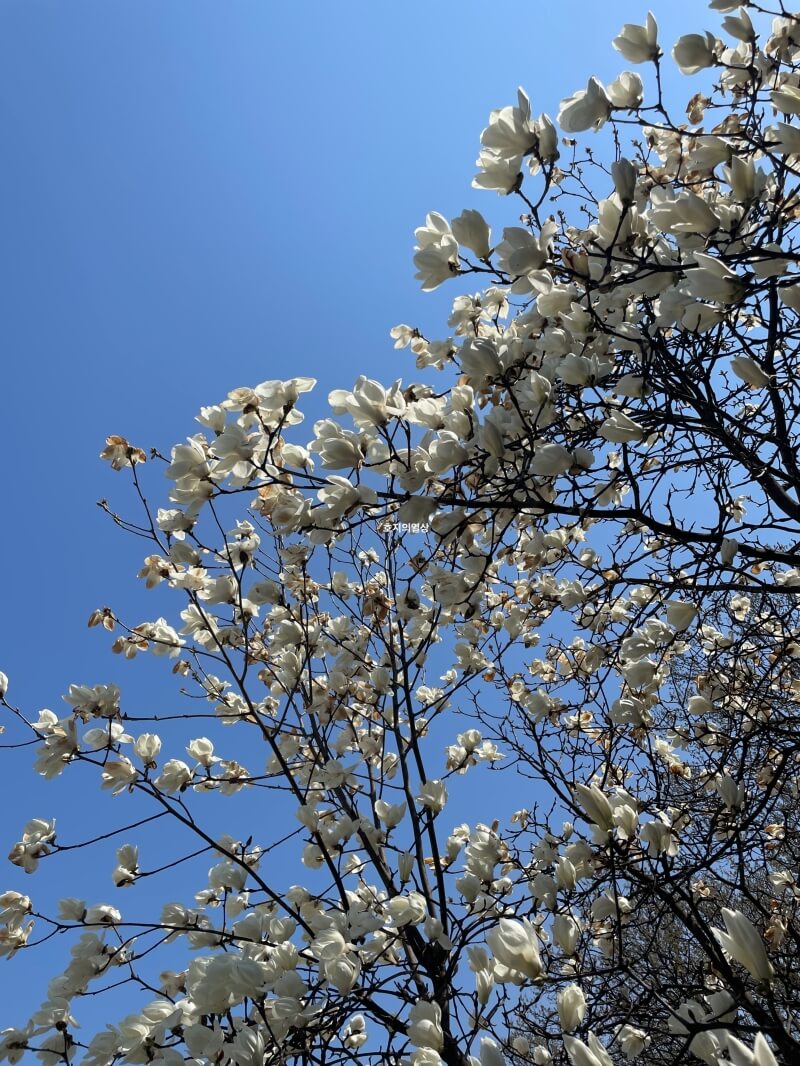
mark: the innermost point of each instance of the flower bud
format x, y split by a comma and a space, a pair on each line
571, 1005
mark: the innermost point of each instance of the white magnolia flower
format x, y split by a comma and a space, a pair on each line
520, 252
407, 910
202, 750
496, 173
728, 550
784, 137
391, 814
790, 294
355, 1034
566, 932
633, 1041
732, 793
595, 805
742, 941
787, 99
71, 909
425, 1056
680, 614
549, 460
699, 705
174, 777
102, 914
436, 263
659, 837
619, 428
147, 746
591, 1053
511, 133
713, 280
626, 91
686, 213
571, 1004
489, 1054
433, 795
127, 868
694, 52
741, 176
623, 174
369, 404
343, 973
472, 230
425, 1025
547, 149
14, 1043
436, 256
587, 109
515, 944
750, 372
638, 44
761, 1054
204, 1041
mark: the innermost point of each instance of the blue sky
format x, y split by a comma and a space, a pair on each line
197, 196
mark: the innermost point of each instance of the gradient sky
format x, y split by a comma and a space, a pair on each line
201, 195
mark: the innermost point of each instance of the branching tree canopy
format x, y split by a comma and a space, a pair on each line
568, 554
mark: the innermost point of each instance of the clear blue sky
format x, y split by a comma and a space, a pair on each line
197, 195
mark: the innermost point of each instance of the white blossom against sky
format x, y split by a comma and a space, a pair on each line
197, 195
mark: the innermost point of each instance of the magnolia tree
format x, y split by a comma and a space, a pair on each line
569, 553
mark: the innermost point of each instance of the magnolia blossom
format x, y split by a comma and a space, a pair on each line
472, 230
750, 372
587, 109
787, 99
490, 1054
784, 138
623, 174
436, 256
686, 213
694, 52
626, 91
638, 43
680, 614
591, 1053
515, 943
790, 294
595, 804
633, 1041
620, 428
566, 932
760, 1055
147, 746
659, 837
407, 910
551, 459
355, 1033
433, 795
425, 1025
174, 777
571, 1004
511, 132
713, 280
742, 942
728, 551
127, 869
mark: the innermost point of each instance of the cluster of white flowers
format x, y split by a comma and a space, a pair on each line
631, 655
